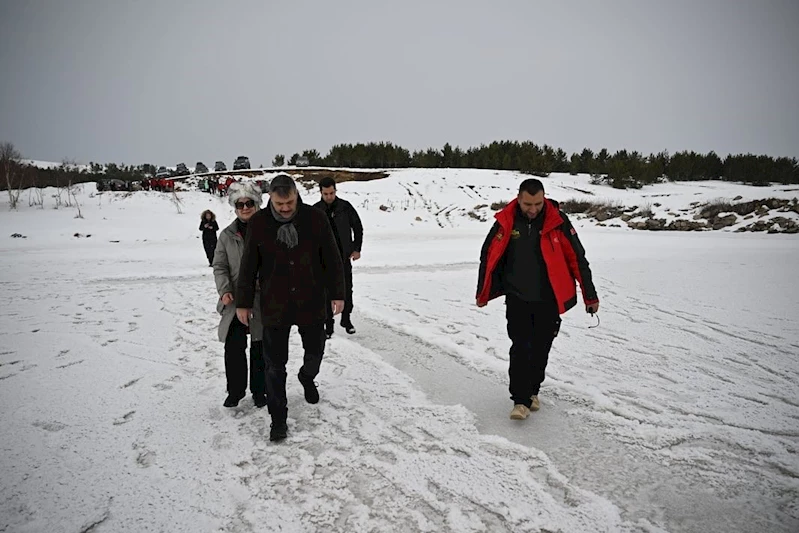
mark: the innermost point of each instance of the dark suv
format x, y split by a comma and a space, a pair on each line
200, 168
182, 170
220, 166
241, 163
162, 172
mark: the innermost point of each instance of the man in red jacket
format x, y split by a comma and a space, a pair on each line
533, 257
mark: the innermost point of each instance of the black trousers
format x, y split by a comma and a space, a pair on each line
236, 362
210, 248
276, 351
532, 326
348, 305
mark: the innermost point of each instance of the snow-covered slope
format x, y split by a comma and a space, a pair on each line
677, 413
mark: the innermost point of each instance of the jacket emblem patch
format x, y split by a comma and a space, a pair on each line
515, 234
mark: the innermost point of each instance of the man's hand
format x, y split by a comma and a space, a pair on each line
227, 298
593, 308
355, 256
337, 306
481, 304
244, 315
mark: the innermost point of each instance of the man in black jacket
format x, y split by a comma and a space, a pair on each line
291, 250
349, 237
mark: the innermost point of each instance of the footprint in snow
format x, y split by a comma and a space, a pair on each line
51, 426
124, 419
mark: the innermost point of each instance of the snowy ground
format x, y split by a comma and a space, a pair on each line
678, 413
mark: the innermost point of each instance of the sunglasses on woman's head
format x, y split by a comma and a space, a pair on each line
242, 205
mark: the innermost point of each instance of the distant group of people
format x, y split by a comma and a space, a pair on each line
158, 184
220, 187
291, 264
216, 186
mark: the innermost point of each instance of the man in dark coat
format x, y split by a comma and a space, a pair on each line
291, 250
533, 256
349, 237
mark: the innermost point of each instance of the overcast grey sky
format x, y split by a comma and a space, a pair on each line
162, 82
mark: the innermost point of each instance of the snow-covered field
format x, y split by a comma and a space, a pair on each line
678, 413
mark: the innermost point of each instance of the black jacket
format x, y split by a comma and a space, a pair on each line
346, 223
293, 281
209, 234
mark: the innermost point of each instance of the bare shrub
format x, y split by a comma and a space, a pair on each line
11, 167
646, 211
71, 192
35, 197
713, 209
177, 202
599, 209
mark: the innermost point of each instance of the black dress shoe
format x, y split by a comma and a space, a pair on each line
259, 400
328, 330
279, 431
311, 392
232, 400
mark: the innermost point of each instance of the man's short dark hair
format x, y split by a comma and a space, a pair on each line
531, 186
324, 183
283, 185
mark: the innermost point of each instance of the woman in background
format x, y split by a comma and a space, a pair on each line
209, 227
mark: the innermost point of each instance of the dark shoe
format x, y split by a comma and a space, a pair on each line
311, 392
279, 431
347, 325
232, 400
259, 400
329, 330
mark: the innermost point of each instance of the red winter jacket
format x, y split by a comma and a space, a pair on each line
561, 249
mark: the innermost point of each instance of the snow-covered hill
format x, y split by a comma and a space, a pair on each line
459, 199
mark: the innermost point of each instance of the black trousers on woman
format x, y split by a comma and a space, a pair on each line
210, 248
236, 362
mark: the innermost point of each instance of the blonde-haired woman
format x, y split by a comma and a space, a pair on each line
246, 200
209, 227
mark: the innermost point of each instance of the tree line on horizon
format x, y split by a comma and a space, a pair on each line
622, 169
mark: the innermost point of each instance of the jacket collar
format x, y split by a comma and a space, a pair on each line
552, 218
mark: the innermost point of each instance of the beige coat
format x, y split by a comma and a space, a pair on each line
227, 260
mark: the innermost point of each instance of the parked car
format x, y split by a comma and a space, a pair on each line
200, 168
112, 184
219, 166
182, 170
241, 162
302, 161
162, 172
